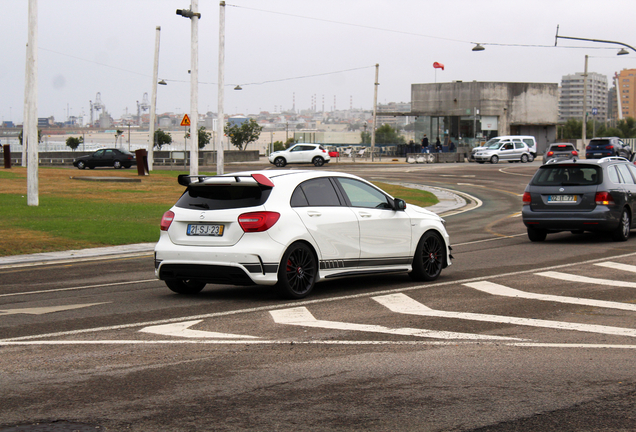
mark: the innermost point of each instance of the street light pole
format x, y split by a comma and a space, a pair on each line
585, 105
220, 118
557, 37
194, 91
375, 109
153, 101
30, 128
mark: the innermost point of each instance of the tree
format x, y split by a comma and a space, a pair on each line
162, 138
204, 137
278, 146
385, 134
39, 136
241, 136
74, 142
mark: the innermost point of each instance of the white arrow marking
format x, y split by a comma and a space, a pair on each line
45, 310
302, 317
182, 330
585, 279
403, 304
618, 266
500, 290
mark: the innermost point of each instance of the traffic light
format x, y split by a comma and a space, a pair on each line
187, 13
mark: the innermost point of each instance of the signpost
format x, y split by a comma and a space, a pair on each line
185, 122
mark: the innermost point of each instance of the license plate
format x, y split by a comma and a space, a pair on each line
598, 154
205, 230
562, 198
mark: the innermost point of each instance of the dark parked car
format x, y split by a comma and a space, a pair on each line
609, 146
111, 157
578, 196
560, 151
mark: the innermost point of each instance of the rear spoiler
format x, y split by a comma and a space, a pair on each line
260, 179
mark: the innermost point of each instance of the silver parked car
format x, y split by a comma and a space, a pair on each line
511, 150
560, 151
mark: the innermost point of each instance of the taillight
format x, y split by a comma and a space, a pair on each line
550, 153
527, 199
604, 198
166, 220
588, 148
609, 147
324, 151
258, 221
575, 153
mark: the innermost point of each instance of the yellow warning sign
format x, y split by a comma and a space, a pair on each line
185, 121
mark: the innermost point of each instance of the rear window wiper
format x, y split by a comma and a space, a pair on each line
200, 205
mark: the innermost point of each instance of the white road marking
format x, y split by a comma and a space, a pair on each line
47, 309
20, 340
501, 290
618, 266
79, 288
401, 303
182, 330
302, 317
584, 279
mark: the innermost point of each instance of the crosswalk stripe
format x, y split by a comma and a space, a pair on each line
301, 316
501, 290
584, 279
401, 303
618, 266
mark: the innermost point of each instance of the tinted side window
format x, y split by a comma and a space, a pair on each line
626, 177
528, 142
298, 198
320, 192
519, 145
362, 195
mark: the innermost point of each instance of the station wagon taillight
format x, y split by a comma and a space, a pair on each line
166, 220
604, 198
258, 221
550, 153
527, 199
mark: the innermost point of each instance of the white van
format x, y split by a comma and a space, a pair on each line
530, 141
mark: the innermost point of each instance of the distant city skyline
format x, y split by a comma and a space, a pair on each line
287, 54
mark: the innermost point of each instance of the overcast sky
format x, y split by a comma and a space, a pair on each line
281, 50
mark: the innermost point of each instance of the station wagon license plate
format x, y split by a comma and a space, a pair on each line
562, 198
205, 230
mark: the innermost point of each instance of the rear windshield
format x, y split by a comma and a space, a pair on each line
599, 142
567, 175
219, 197
562, 147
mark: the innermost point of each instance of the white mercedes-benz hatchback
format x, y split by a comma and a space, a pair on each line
293, 229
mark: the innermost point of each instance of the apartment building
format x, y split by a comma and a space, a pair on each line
627, 91
571, 97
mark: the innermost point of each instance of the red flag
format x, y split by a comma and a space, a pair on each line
437, 65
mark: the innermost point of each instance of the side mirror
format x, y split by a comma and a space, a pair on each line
399, 205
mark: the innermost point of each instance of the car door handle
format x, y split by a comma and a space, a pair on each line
314, 214
365, 214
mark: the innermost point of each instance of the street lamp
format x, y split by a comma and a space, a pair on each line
621, 52
478, 47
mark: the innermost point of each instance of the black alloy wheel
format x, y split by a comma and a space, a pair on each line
280, 162
185, 286
429, 257
298, 271
318, 161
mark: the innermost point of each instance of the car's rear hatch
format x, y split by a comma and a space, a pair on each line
600, 146
207, 213
564, 188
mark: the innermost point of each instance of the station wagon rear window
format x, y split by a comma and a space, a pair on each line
567, 175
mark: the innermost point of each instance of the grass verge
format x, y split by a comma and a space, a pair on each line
77, 214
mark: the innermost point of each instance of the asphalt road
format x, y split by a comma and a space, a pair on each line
514, 336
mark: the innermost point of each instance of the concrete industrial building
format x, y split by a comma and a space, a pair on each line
461, 111
571, 98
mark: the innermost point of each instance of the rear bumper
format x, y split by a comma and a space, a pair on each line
602, 218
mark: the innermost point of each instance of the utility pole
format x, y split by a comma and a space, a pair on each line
194, 90
30, 127
153, 101
220, 119
375, 110
585, 105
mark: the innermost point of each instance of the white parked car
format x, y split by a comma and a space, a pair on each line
293, 229
301, 153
